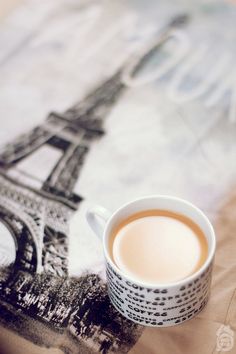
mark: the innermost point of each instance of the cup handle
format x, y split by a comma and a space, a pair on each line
93, 215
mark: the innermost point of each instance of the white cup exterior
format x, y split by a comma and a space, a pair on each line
158, 305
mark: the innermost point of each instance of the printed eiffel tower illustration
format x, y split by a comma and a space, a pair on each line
38, 299
37, 212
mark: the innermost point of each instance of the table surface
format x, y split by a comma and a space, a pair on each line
6, 7
170, 130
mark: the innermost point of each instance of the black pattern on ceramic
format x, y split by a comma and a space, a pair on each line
145, 305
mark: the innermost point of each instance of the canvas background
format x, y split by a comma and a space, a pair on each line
54, 52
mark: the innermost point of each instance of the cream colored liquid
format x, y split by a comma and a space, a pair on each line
158, 246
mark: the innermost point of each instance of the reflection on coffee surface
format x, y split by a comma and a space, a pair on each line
158, 246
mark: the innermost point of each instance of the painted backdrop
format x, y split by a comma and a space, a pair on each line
100, 103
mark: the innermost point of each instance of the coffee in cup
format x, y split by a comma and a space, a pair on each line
158, 246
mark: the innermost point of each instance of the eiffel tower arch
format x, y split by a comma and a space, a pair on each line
37, 212
28, 256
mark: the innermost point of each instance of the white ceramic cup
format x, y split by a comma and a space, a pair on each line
160, 305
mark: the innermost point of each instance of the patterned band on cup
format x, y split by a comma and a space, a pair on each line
158, 306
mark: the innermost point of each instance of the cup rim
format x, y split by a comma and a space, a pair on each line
170, 284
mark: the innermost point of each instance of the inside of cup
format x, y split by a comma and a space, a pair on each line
167, 203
